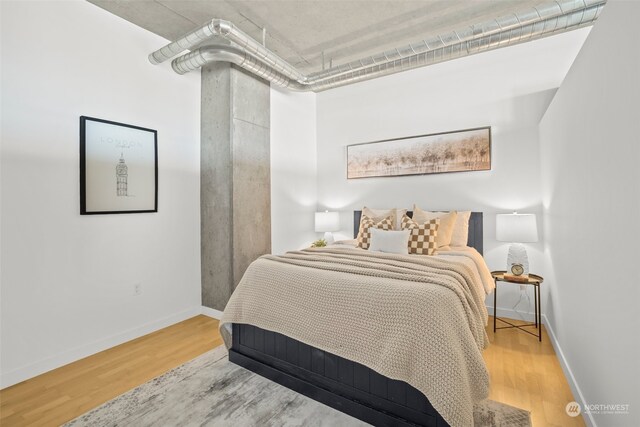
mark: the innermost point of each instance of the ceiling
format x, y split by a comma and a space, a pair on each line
304, 31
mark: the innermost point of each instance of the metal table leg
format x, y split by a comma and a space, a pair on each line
535, 299
495, 304
539, 313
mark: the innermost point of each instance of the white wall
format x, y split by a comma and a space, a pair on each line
508, 89
293, 169
67, 280
591, 198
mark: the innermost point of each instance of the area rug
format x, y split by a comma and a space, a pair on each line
211, 391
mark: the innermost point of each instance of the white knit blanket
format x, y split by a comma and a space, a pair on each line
418, 319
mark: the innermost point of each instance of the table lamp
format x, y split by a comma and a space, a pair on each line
517, 229
326, 222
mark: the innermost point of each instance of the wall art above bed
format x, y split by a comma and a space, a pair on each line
118, 168
456, 151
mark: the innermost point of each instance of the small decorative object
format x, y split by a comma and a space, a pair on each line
517, 229
326, 222
321, 243
118, 168
457, 151
517, 269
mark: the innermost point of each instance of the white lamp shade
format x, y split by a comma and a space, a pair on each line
516, 228
327, 221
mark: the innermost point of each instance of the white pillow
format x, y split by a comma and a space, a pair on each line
395, 242
460, 235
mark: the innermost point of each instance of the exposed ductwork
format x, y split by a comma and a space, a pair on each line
208, 54
219, 27
247, 53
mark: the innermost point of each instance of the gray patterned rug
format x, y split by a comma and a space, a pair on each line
211, 391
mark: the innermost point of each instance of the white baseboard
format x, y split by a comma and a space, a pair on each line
573, 384
211, 312
24, 373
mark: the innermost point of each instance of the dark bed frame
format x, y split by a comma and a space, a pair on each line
335, 381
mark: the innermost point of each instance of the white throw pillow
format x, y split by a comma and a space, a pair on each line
395, 242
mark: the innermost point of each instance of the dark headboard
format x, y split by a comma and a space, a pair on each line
475, 228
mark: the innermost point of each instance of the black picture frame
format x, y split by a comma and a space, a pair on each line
88, 141
355, 160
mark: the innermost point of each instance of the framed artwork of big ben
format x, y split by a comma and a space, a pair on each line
118, 168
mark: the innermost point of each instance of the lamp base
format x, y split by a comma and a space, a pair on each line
328, 237
518, 255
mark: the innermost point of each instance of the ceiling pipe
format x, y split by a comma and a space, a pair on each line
536, 22
227, 30
520, 27
225, 53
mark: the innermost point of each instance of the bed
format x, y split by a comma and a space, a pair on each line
346, 383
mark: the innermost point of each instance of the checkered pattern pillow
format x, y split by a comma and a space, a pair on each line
422, 240
364, 233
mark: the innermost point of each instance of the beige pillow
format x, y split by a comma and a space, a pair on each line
445, 229
380, 214
460, 235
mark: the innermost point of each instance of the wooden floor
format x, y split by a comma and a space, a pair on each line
524, 373
67, 392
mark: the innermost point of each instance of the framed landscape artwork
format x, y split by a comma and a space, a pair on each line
456, 151
118, 168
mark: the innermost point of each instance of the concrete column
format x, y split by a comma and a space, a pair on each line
235, 190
